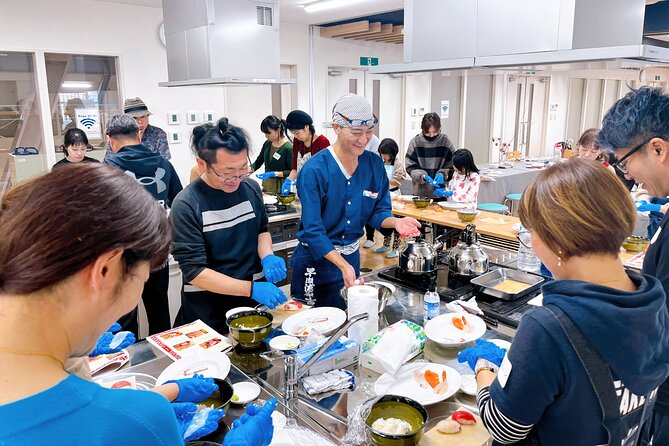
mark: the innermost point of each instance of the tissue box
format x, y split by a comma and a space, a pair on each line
370, 361
341, 354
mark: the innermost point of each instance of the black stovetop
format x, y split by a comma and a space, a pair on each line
452, 287
279, 209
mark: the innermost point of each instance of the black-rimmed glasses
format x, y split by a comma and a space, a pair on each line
230, 180
621, 164
360, 122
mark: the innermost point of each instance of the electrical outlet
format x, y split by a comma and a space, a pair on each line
193, 117
209, 116
175, 137
173, 118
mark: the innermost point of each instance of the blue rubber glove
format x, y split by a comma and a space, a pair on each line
482, 349
194, 389
285, 189
112, 343
254, 428
441, 192
274, 268
267, 294
185, 413
644, 206
266, 175
439, 180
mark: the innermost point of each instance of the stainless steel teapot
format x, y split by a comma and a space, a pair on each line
467, 258
419, 256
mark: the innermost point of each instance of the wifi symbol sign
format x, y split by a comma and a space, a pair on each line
88, 122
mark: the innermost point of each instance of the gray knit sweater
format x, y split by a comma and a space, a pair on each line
425, 157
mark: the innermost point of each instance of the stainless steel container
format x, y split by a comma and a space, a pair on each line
487, 282
467, 258
420, 257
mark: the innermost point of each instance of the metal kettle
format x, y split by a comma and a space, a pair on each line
419, 256
467, 258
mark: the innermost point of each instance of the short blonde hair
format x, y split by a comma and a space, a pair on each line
578, 208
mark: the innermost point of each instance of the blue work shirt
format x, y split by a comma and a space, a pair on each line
335, 206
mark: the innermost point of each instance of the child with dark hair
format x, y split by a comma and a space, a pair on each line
466, 180
388, 150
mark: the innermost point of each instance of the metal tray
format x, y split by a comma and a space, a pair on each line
485, 283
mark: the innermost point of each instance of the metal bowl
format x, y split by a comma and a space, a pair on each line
286, 198
384, 293
635, 244
421, 202
250, 327
467, 215
393, 406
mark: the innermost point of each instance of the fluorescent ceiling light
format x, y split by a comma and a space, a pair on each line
81, 85
324, 5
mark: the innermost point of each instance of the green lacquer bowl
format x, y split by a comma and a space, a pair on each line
251, 327
394, 406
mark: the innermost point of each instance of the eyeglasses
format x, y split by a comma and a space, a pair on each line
25, 151
230, 180
360, 122
525, 238
621, 164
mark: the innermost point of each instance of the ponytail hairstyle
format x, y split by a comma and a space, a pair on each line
271, 122
388, 146
209, 138
464, 160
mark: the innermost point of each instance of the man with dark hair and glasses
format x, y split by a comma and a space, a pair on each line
637, 129
342, 188
159, 178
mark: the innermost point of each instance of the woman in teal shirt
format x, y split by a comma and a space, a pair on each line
77, 246
276, 154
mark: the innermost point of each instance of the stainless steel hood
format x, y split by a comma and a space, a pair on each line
222, 42
524, 33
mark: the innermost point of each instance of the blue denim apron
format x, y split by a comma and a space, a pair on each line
327, 278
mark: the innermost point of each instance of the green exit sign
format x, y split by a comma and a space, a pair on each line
369, 61
657, 78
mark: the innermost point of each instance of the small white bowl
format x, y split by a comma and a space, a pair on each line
237, 310
284, 342
246, 391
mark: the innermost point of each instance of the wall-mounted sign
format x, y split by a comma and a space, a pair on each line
369, 61
88, 120
445, 108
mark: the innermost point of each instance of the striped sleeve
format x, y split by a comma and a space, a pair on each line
502, 428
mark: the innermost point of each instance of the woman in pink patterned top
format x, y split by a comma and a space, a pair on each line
466, 180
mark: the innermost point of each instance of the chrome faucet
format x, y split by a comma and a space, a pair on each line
293, 373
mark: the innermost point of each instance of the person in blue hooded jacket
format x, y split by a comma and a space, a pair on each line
584, 369
159, 178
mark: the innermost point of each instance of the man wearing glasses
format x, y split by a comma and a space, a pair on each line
221, 236
342, 188
637, 129
159, 178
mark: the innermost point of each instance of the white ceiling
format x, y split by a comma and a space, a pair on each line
292, 11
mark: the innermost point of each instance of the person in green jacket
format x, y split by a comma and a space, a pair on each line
276, 154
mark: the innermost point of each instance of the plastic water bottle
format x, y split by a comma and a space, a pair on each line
431, 303
527, 259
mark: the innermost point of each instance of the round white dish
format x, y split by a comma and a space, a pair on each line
284, 342
468, 384
442, 331
451, 205
405, 384
407, 198
210, 364
246, 391
323, 320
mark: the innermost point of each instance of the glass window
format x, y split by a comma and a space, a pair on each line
83, 93
20, 121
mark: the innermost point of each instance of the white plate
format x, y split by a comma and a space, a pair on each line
269, 199
247, 391
211, 364
442, 331
407, 198
451, 205
284, 342
468, 384
404, 383
323, 320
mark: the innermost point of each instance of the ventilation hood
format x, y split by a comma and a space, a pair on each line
525, 33
222, 42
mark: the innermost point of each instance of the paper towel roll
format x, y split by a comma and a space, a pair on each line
363, 299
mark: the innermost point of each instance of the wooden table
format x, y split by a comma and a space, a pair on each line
488, 223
